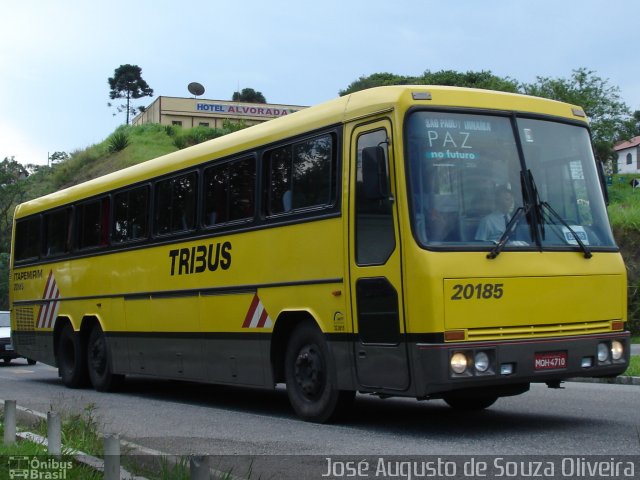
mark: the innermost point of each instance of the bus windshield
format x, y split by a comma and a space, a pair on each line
469, 184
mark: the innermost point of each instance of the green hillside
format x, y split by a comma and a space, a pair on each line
125, 147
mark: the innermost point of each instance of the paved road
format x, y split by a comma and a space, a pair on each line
184, 418
635, 349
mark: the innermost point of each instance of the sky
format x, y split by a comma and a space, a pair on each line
56, 55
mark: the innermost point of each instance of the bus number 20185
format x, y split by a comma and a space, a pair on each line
479, 291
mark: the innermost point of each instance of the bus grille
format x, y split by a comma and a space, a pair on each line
25, 325
585, 328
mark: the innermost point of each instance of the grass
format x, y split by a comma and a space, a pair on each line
634, 367
624, 203
80, 431
21, 455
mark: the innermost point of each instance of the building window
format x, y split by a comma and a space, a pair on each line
177, 123
629, 159
204, 124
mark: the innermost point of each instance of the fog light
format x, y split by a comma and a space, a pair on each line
586, 362
603, 352
616, 350
481, 362
506, 369
458, 362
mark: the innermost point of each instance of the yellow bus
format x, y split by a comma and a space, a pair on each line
419, 241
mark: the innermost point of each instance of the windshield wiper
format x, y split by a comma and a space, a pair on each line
520, 212
554, 214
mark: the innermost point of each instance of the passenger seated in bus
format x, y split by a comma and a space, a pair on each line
492, 226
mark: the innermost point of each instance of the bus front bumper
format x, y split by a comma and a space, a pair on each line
447, 367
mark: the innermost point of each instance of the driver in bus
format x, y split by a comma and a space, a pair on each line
492, 226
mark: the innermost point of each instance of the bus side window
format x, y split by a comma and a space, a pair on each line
176, 204
92, 223
229, 192
28, 239
301, 176
131, 215
57, 231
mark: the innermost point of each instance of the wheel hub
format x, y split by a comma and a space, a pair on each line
309, 371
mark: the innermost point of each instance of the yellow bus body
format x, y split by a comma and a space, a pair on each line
183, 306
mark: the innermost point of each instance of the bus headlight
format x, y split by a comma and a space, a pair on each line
482, 362
616, 350
458, 363
603, 352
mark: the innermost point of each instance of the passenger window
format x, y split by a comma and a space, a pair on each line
131, 215
176, 204
57, 232
27, 242
93, 220
229, 192
301, 175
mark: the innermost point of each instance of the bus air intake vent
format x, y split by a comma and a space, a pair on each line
583, 328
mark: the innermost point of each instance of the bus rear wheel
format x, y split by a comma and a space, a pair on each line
71, 358
311, 379
99, 363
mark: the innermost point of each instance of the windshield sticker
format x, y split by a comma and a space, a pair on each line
579, 231
528, 135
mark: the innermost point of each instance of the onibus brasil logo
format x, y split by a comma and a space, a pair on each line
34, 468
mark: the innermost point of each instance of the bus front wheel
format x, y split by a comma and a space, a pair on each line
311, 380
99, 362
71, 357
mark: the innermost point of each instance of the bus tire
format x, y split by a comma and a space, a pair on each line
71, 358
311, 378
99, 363
470, 404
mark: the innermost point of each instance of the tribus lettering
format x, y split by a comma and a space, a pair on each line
201, 258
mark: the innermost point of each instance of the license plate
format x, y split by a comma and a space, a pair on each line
550, 360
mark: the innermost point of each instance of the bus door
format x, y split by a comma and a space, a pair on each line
375, 272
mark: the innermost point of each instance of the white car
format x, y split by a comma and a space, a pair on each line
7, 353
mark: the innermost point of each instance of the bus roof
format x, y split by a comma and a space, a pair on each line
339, 110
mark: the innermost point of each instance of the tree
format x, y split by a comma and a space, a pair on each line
12, 191
608, 114
248, 95
378, 80
127, 83
57, 157
483, 79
